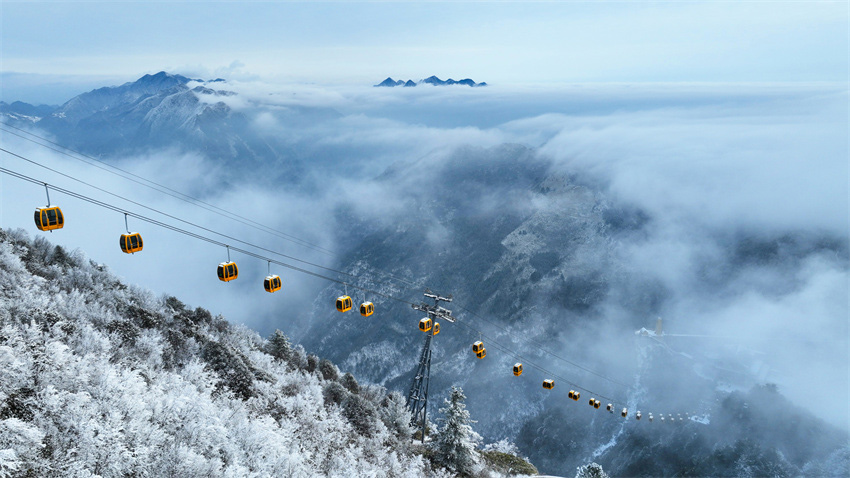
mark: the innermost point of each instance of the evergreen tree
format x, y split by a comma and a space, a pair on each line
279, 346
396, 416
455, 442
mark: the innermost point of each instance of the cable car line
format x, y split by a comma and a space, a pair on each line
179, 195
179, 219
411, 284
166, 190
524, 361
196, 235
256, 255
539, 346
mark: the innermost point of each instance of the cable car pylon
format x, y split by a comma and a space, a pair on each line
417, 398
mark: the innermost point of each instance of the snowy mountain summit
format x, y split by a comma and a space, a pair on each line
431, 80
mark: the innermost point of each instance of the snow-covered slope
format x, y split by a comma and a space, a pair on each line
98, 378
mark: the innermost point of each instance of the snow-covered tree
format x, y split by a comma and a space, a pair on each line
279, 346
502, 446
455, 442
396, 416
592, 470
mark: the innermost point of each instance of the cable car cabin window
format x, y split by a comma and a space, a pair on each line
367, 309
227, 271
343, 303
48, 219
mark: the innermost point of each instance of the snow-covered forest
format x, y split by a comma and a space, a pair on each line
101, 378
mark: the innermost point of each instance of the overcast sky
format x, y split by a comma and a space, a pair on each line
51, 51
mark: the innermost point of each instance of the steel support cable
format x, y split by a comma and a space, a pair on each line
186, 198
197, 236
182, 220
179, 195
543, 349
165, 189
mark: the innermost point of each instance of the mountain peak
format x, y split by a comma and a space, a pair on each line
390, 82
431, 80
162, 77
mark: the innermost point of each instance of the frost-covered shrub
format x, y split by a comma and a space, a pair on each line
396, 416
360, 413
350, 383
234, 374
334, 393
298, 359
143, 317
592, 470
502, 446
328, 370
312, 363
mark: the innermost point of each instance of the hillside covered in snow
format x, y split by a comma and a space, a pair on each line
98, 378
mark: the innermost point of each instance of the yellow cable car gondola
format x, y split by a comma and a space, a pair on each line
367, 309
228, 271
637, 415
594, 403
574, 395
517, 369
425, 324
132, 241
436, 328
343, 303
478, 346
624, 413
549, 384
272, 283
481, 353
49, 217
610, 408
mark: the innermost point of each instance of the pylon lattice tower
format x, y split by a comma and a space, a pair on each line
417, 399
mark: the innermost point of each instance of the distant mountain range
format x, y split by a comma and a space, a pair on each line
162, 111
431, 80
